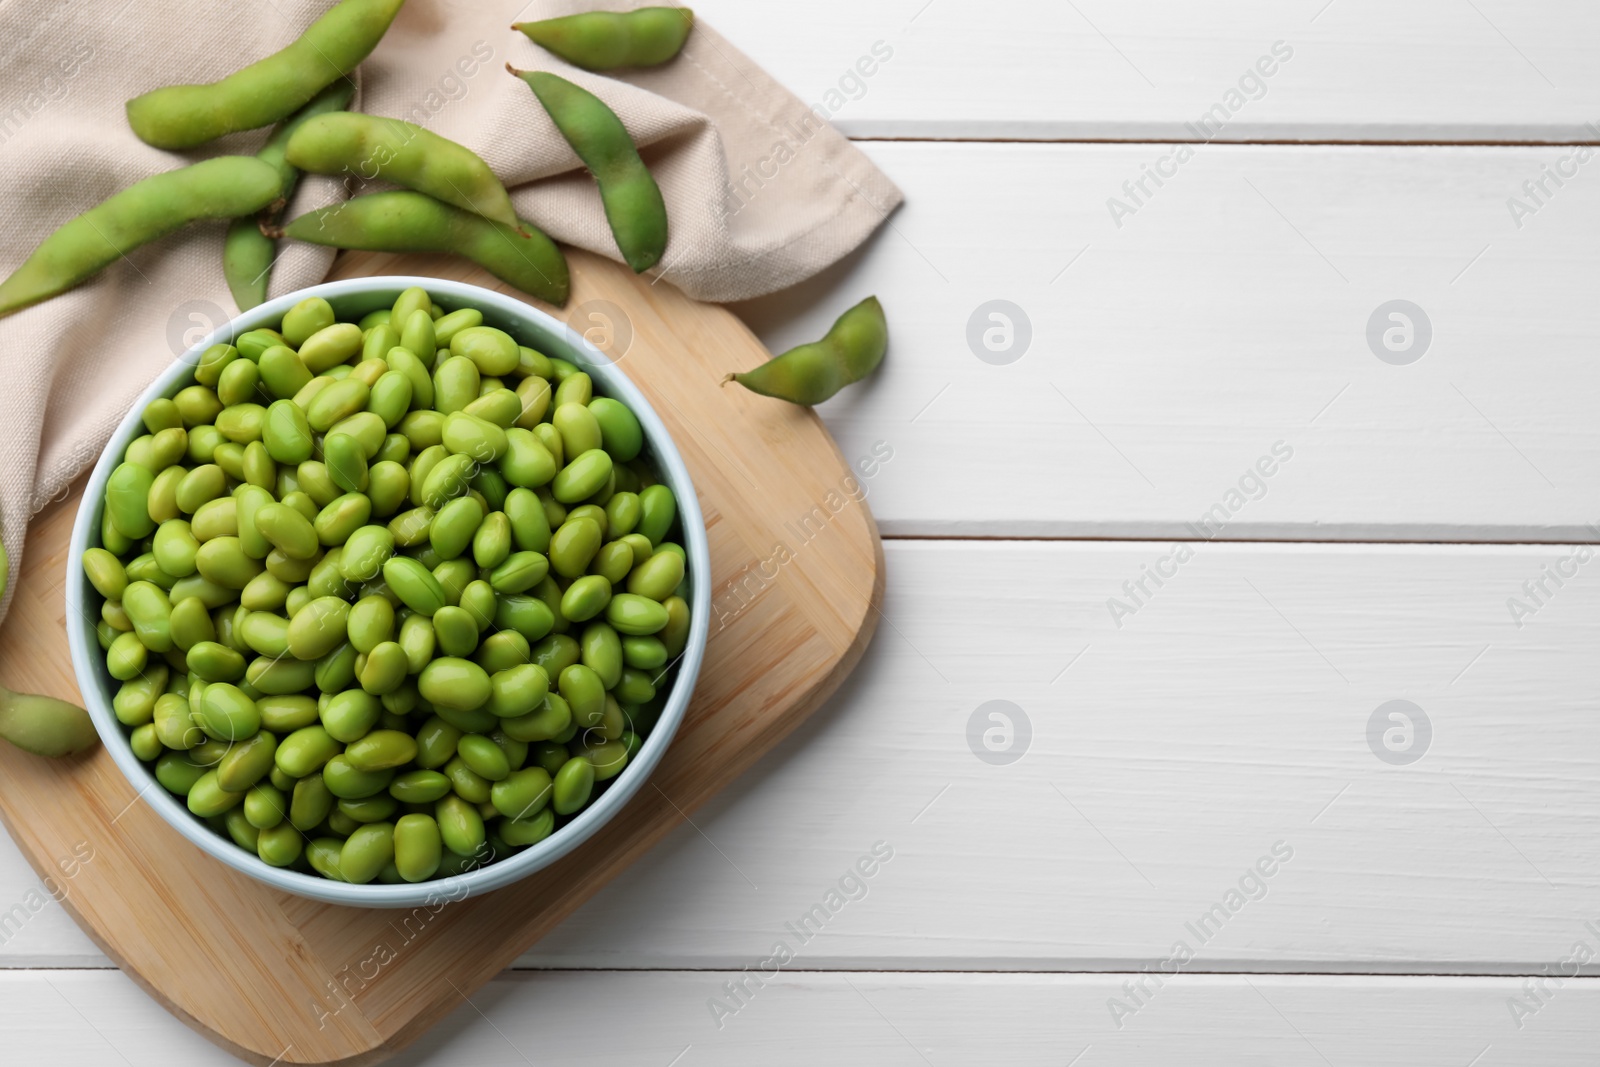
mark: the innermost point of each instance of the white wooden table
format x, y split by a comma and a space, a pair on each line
1196, 834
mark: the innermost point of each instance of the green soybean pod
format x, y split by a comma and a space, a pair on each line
417, 847
183, 116
460, 826
573, 785
404, 221
633, 204
402, 153
809, 374
609, 40
224, 187
658, 509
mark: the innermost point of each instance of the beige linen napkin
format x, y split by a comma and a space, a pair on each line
761, 193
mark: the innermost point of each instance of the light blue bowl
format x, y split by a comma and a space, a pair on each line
352, 299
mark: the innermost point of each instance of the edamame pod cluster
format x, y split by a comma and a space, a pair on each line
387, 599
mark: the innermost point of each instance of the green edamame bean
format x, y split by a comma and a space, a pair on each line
349, 715
390, 397
347, 783
280, 845
174, 547
494, 351
601, 651
225, 187
190, 625
533, 396
206, 797
518, 691
460, 826
620, 432
530, 529
551, 718
522, 794
436, 743
370, 623
526, 462
128, 499
622, 515
105, 573
657, 577
456, 631
286, 714
215, 662
446, 327
414, 584
575, 389
183, 116
366, 852
341, 517
578, 429
675, 634
582, 477
346, 461
338, 400
456, 384
387, 486
283, 373
483, 757
449, 478
585, 694
223, 561
310, 802
227, 714
526, 615
501, 651
469, 435
644, 653
318, 628
809, 374
279, 676
608, 40
247, 763
287, 530
237, 383
658, 509
613, 562
404, 221
417, 847
381, 750
150, 611
572, 786
519, 572
630, 613
585, 598
573, 545
405, 154
265, 806
455, 684
633, 203
363, 555
384, 669
419, 787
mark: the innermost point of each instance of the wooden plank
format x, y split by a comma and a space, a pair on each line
1179, 749
254, 969
805, 1018
1231, 313
1363, 70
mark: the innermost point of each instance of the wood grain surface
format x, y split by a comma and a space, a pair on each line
278, 979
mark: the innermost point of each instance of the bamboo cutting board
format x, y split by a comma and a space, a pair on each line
797, 576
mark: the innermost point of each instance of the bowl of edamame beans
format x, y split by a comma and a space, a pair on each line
391, 590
